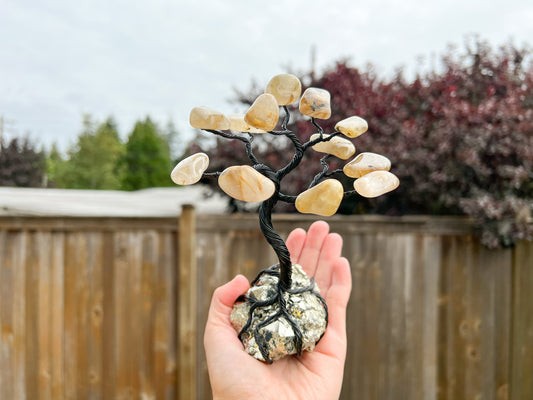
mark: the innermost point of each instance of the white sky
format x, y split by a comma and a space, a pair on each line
62, 58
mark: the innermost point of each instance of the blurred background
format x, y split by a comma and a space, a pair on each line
94, 105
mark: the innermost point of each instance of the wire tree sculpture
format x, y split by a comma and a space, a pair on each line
280, 297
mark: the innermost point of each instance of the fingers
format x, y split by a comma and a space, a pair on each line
314, 241
295, 243
339, 291
329, 255
337, 297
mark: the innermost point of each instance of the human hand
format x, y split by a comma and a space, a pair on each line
234, 374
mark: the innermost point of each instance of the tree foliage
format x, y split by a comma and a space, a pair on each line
460, 139
91, 162
146, 161
100, 160
21, 164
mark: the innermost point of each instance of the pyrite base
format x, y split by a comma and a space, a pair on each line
273, 322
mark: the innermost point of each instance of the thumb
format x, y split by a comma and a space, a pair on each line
224, 297
218, 320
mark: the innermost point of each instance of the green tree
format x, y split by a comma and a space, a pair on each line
146, 161
92, 161
55, 163
171, 136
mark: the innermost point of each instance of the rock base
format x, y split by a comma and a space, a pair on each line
273, 323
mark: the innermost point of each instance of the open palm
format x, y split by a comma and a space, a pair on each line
314, 375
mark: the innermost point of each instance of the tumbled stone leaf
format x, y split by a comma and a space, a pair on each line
352, 126
337, 146
263, 113
323, 199
315, 103
190, 170
286, 88
242, 182
238, 124
365, 163
207, 118
376, 183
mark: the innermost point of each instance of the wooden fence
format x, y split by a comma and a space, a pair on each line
107, 308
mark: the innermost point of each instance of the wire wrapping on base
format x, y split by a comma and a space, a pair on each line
279, 298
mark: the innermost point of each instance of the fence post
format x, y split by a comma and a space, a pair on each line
187, 304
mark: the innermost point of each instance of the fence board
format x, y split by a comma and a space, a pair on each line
31, 266
521, 382
109, 346
6, 317
123, 307
165, 319
19, 314
414, 279
7, 355
430, 266
43, 309
502, 287
146, 314
94, 312
57, 332
471, 326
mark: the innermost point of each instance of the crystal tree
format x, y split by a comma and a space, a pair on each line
283, 312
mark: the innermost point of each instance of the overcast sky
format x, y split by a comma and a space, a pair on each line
62, 58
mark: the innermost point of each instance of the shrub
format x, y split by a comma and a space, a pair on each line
460, 139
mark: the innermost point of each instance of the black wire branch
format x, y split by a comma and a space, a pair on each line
277, 243
287, 198
247, 142
334, 172
211, 174
285, 119
272, 237
297, 158
350, 193
320, 175
320, 140
320, 130
284, 123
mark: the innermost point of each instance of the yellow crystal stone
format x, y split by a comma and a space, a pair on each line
352, 127
237, 124
315, 103
242, 182
286, 88
376, 183
365, 163
207, 118
337, 146
190, 170
323, 199
263, 113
